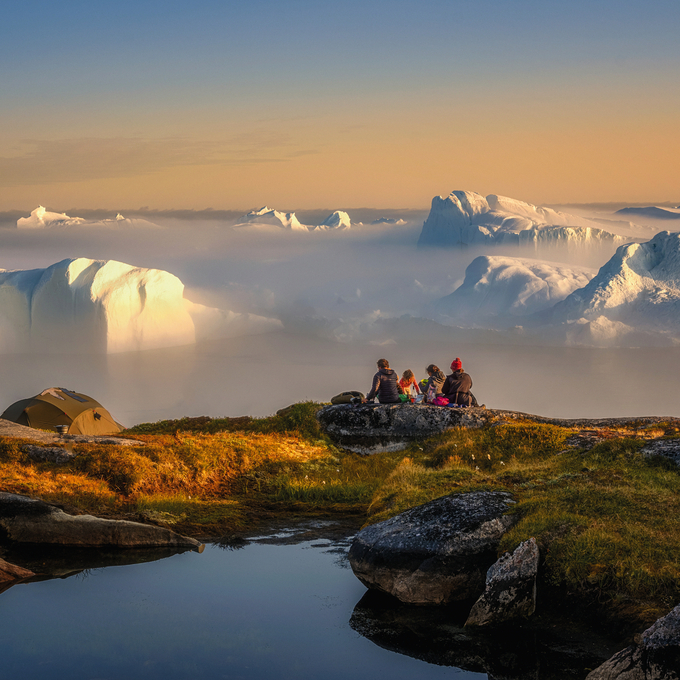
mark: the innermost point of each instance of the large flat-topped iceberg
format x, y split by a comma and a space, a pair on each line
637, 291
466, 218
83, 305
41, 218
498, 289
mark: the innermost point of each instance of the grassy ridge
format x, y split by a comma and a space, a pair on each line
607, 519
206, 476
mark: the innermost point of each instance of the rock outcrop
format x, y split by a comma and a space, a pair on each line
27, 520
372, 428
667, 448
510, 591
656, 657
435, 553
48, 454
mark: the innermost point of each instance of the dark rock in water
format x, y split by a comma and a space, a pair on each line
435, 553
26, 520
510, 591
667, 448
371, 428
10, 572
547, 650
656, 657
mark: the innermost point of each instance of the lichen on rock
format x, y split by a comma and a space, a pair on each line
435, 553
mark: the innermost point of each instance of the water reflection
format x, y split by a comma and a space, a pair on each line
549, 650
275, 609
281, 605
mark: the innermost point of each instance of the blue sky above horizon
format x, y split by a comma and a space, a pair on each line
232, 105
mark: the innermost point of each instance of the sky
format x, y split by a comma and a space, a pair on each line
307, 104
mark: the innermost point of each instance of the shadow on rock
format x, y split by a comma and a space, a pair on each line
542, 650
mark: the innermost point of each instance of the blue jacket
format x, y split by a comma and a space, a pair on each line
385, 386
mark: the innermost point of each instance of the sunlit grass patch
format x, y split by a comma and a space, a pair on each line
40, 480
183, 510
493, 447
314, 492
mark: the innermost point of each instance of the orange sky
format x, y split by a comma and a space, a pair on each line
557, 112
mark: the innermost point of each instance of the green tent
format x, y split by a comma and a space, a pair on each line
57, 406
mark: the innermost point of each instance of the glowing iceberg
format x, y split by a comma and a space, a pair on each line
82, 305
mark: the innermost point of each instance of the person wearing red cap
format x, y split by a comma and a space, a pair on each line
458, 385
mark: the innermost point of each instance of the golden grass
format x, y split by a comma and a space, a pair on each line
607, 520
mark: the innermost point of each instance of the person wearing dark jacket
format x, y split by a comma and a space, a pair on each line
385, 385
458, 385
434, 384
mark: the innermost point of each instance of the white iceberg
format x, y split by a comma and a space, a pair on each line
41, 218
338, 220
94, 306
638, 289
505, 288
268, 217
466, 218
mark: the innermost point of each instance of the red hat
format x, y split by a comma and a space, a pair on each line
456, 365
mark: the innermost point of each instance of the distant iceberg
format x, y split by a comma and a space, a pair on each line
465, 218
104, 306
654, 212
389, 220
498, 289
338, 220
41, 218
268, 217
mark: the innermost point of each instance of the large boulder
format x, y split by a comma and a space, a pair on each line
27, 520
372, 428
435, 553
510, 591
656, 657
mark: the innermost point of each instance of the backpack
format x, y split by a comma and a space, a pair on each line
346, 397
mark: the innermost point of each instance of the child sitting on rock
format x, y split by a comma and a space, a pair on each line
408, 384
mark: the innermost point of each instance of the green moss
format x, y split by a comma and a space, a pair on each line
298, 419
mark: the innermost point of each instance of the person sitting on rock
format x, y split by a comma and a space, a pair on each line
457, 386
385, 385
434, 384
408, 384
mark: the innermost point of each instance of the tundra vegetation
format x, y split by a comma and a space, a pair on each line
604, 515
